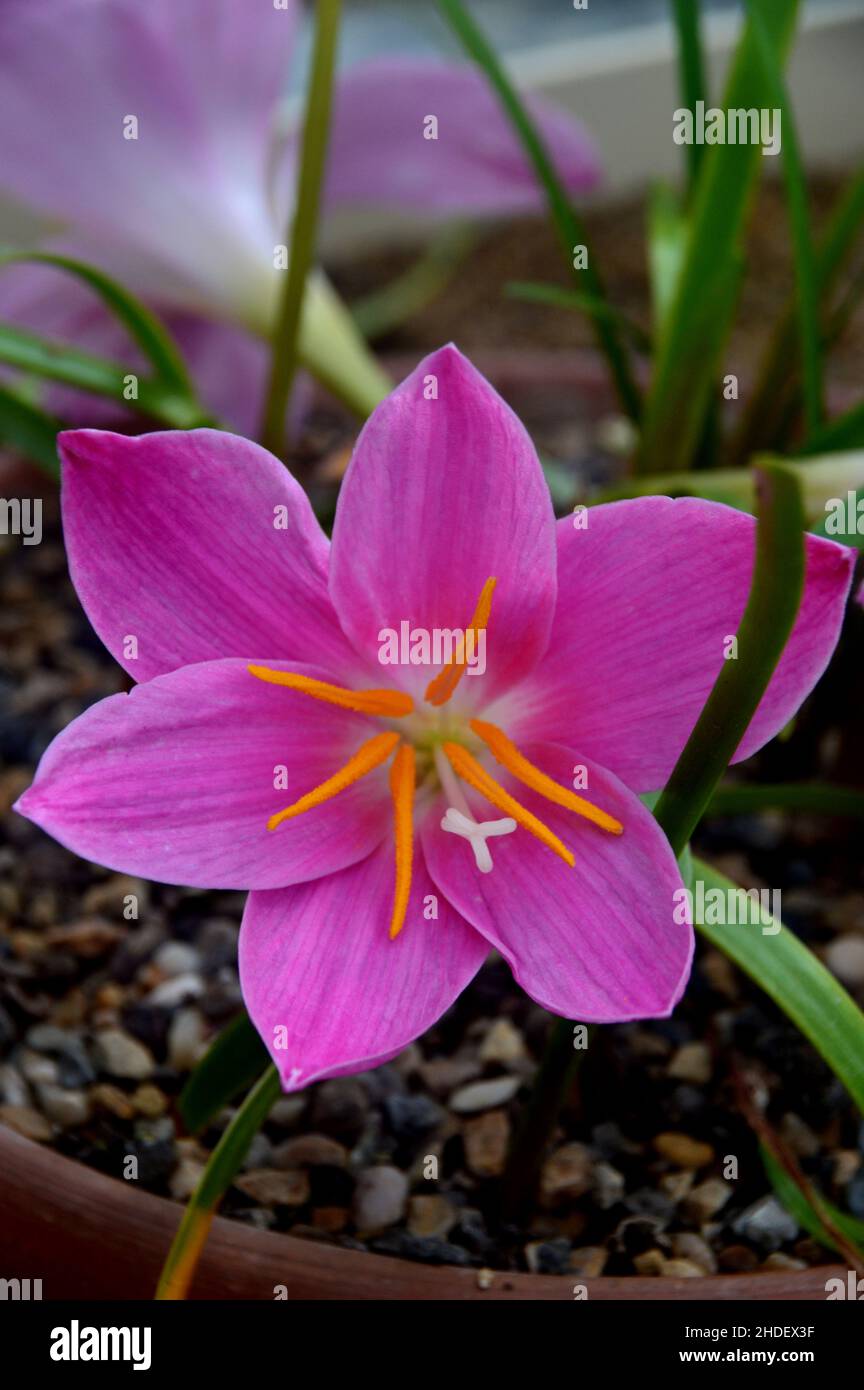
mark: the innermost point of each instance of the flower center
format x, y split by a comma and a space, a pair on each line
436, 752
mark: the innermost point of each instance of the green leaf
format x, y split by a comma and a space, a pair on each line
388, 308
232, 1062
806, 274
772, 606
839, 435
667, 241
691, 70
684, 374
29, 431
568, 224
798, 983
537, 293
814, 797
222, 1167
58, 362
805, 1213
772, 406
143, 326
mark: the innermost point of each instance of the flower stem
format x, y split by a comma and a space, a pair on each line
555, 1076
224, 1162
301, 233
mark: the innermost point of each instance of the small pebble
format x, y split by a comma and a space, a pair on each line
274, 1188
380, 1198
484, 1095
737, 1259
567, 1173
118, 1054
186, 1039
692, 1062
548, 1256
766, 1223
112, 1099
686, 1245
431, 1215
65, 1107
608, 1185
588, 1261
148, 1100
339, 1108
704, 1201
13, 1088
487, 1138
845, 958
681, 1269
177, 958
683, 1151
171, 993
503, 1043
310, 1151
35, 1068
778, 1260
109, 897
27, 1121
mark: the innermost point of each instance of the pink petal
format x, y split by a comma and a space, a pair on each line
175, 781
317, 962
648, 594
379, 154
203, 79
596, 943
172, 539
441, 495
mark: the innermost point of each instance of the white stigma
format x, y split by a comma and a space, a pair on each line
459, 820
477, 833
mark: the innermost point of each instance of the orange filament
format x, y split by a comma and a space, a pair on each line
442, 686
390, 703
508, 755
468, 768
369, 755
402, 778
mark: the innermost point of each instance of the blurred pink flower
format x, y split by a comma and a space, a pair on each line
188, 213
252, 754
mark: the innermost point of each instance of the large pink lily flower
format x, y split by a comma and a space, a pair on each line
188, 214
254, 752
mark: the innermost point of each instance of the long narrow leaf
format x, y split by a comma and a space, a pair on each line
143, 326
796, 980
29, 431
806, 275
60, 362
814, 797
806, 1213
684, 375
569, 225
775, 595
231, 1064
691, 70
224, 1164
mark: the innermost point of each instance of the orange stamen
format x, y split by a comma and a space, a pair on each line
369, 755
390, 703
442, 686
468, 768
402, 778
508, 755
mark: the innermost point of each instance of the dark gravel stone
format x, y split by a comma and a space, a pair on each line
426, 1249
552, 1257
410, 1118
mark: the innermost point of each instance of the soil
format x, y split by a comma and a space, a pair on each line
653, 1169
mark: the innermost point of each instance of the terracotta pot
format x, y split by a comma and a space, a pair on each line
87, 1236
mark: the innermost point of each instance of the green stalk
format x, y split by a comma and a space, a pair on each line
775, 596
222, 1166
815, 797
568, 224
555, 1076
691, 72
302, 231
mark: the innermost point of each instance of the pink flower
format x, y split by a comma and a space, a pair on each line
254, 752
187, 205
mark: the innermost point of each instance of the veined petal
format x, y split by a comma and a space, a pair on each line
648, 594
444, 491
199, 545
327, 988
177, 780
597, 943
381, 151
